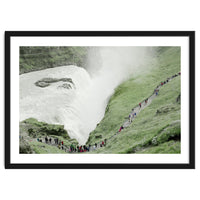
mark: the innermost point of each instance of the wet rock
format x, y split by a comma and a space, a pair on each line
66, 86
166, 109
98, 136
45, 82
42, 84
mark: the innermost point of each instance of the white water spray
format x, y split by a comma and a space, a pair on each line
81, 108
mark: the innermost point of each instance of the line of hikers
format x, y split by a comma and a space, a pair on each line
49, 141
164, 82
84, 148
131, 116
72, 148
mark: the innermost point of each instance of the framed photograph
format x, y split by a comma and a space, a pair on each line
100, 100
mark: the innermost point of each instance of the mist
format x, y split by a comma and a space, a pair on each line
118, 63
109, 67
81, 108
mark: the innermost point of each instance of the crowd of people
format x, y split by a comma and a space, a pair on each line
57, 142
72, 147
84, 148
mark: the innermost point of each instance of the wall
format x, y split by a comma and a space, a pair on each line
99, 184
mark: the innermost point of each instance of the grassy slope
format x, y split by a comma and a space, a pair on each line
38, 58
42, 148
40, 130
147, 124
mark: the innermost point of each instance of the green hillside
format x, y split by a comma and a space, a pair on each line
31, 130
38, 58
156, 129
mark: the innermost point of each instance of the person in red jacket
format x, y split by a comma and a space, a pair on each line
140, 105
102, 143
120, 128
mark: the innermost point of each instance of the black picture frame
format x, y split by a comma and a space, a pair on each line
191, 106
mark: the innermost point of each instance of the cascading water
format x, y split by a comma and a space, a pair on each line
81, 106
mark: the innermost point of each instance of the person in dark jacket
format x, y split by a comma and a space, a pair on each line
130, 118
105, 140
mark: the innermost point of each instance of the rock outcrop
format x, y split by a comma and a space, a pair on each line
45, 82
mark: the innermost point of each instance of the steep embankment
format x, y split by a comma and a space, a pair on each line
38, 58
157, 128
31, 130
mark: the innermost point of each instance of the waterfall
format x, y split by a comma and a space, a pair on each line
78, 105
79, 108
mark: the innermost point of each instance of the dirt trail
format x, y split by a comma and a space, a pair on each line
138, 109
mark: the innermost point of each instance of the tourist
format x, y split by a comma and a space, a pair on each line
72, 147
130, 119
46, 140
120, 128
80, 148
105, 141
